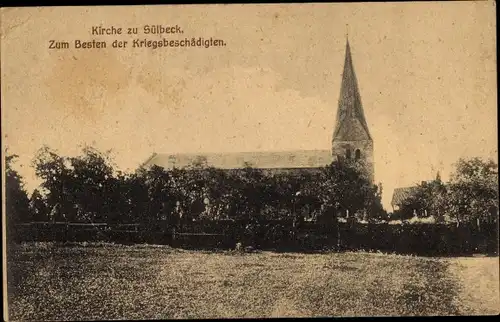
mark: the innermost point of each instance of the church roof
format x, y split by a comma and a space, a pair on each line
401, 194
352, 129
351, 123
238, 160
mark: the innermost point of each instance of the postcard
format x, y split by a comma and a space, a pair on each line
249, 160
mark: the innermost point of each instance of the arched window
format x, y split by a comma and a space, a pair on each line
358, 154
348, 154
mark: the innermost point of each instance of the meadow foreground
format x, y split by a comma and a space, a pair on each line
149, 282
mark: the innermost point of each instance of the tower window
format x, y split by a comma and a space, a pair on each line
348, 154
358, 154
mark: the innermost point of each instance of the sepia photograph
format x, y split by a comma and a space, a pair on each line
205, 161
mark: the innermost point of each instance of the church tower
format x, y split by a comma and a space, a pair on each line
351, 138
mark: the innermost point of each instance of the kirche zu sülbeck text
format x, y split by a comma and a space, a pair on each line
146, 29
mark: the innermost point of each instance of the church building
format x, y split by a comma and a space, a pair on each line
351, 140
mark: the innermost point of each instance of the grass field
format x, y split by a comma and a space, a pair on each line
147, 282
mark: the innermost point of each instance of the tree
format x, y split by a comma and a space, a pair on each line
81, 188
375, 210
437, 202
473, 191
426, 199
38, 206
132, 197
252, 191
188, 189
55, 174
160, 197
220, 191
343, 188
417, 202
16, 198
295, 193
91, 185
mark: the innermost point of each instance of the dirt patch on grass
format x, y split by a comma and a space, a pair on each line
478, 284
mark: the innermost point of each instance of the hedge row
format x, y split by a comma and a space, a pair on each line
418, 239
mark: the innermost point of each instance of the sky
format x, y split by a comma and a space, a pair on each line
426, 74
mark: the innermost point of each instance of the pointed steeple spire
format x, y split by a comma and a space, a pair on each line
438, 177
351, 123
